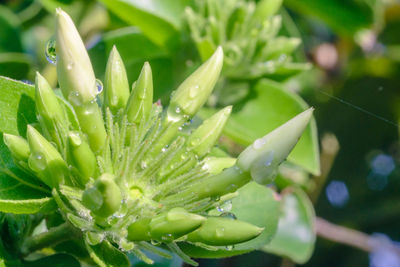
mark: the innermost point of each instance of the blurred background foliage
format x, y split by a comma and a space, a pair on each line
342, 57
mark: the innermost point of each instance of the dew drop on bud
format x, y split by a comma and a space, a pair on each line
75, 98
50, 51
264, 170
228, 215
230, 247
143, 164
37, 162
193, 91
259, 143
225, 207
99, 86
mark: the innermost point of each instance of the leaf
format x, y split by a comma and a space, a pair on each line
106, 255
135, 49
10, 40
17, 107
353, 15
295, 237
272, 107
159, 20
18, 198
59, 260
255, 204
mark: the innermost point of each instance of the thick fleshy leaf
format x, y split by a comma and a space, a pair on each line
106, 255
295, 237
272, 107
353, 15
159, 20
17, 107
255, 204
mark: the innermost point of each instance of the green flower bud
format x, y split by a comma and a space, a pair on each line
18, 147
139, 230
204, 137
215, 165
92, 124
141, 99
219, 231
51, 114
74, 69
104, 198
116, 86
262, 158
77, 80
81, 156
174, 223
45, 160
266, 8
195, 90
228, 181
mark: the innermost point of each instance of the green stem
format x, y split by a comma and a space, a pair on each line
50, 238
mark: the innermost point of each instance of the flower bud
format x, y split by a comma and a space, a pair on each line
116, 86
263, 157
266, 8
141, 99
77, 80
228, 181
18, 147
81, 156
104, 198
74, 69
174, 224
215, 165
139, 230
204, 137
195, 90
219, 231
45, 160
51, 114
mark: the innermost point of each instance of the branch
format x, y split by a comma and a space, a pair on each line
352, 237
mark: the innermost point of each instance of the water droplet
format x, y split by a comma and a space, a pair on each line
220, 231
99, 86
195, 141
37, 162
70, 65
143, 164
75, 98
193, 91
50, 51
263, 170
228, 215
259, 143
178, 110
230, 247
225, 207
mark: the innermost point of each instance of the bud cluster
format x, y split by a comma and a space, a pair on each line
124, 172
248, 32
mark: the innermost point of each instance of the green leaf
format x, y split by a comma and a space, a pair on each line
59, 260
18, 198
295, 237
353, 15
17, 108
106, 255
272, 107
159, 20
135, 49
255, 204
